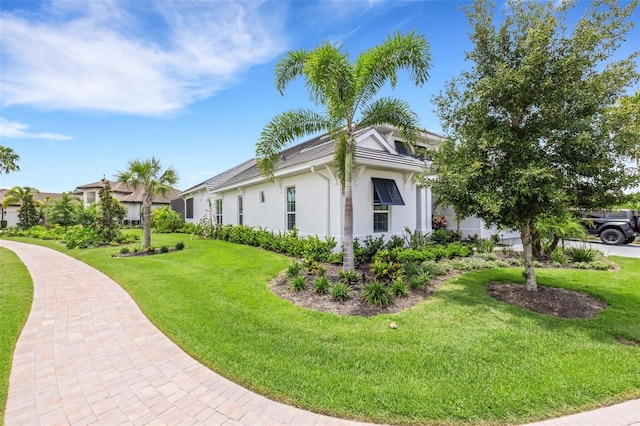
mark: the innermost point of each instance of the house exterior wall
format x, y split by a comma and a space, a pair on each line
319, 204
475, 226
11, 215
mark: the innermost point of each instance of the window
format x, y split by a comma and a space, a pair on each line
240, 208
219, 211
291, 208
385, 194
380, 215
91, 197
401, 148
261, 198
189, 208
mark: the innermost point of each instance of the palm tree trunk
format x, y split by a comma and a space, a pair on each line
527, 247
146, 221
348, 261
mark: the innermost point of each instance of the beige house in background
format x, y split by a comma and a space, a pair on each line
130, 198
10, 214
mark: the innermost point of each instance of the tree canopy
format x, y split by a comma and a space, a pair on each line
347, 93
8, 160
527, 125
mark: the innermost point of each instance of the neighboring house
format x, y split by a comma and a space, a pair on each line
132, 200
10, 214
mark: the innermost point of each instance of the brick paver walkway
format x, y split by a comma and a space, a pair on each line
87, 355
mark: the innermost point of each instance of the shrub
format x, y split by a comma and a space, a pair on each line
436, 268
485, 245
339, 291
335, 258
422, 279
582, 253
558, 256
416, 240
164, 249
399, 288
81, 237
410, 269
297, 283
350, 278
384, 270
443, 236
376, 293
321, 285
458, 249
179, 245
294, 269
124, 250
394, 242
311, 266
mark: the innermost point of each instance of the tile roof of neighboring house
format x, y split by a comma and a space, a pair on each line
125, 193
41, 196
314, 149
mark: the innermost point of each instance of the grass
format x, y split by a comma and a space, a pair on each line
458, 357
16, 295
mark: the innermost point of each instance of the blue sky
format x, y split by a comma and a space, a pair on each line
88, 85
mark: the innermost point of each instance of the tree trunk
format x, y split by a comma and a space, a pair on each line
527, 247
347, 260
146, 221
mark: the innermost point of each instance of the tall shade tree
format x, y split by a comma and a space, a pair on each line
27, 213
626, 115
149, 176
527, 125
346, 91
8, 160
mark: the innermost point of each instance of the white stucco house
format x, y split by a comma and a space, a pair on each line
9, 215
305, 192
128, 197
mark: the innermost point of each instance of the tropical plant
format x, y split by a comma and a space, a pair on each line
149, 176
376, 293
529, 132
346, 91
339, 291
8, 160
64, 211
321, 284
297, 283
166, 220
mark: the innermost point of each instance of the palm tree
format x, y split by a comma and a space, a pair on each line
27, 212
148, 176
346, 92
8, 160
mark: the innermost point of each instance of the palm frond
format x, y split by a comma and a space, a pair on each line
289, 67
393, 112
284, 129
380, 64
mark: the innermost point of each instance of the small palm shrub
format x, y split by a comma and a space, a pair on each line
485, 245
297, 283
339, 291
294, 269
321, 285
349, 277
419, 280
582, 253
399, 288
376, 293
558, 256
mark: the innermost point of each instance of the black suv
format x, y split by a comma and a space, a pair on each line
615, 227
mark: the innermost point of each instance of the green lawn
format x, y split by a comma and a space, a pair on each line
458, 357
16, 295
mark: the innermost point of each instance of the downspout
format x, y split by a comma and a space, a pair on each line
313, 170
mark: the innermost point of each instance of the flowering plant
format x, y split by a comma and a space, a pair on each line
438, 222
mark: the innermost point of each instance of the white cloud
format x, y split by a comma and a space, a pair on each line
15, 129
146, 58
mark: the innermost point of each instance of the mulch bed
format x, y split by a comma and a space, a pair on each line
547, 300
